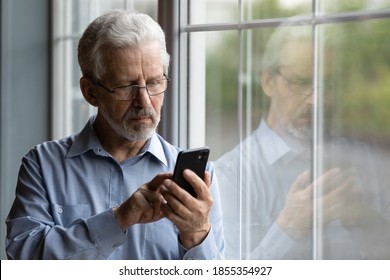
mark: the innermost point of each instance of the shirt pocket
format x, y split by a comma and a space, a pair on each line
64, 215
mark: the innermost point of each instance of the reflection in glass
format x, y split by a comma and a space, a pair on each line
360, 117
302, 186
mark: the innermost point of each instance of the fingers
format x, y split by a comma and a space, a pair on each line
340, 197
151, 205
186, 211
162, 197
335, 181
144, 205
155, 183
200, 186
178, 201
302, 181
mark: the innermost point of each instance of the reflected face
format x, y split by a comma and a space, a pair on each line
291, 92
135, 119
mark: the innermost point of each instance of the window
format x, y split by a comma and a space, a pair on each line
333, 89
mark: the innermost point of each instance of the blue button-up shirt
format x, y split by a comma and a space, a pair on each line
64, 198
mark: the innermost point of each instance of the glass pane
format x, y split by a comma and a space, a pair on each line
86, 11
212, 11
336, 6
221, 91
79, 15
267, 9
145, 6
353, 197
255, 103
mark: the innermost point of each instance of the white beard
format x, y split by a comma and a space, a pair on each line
136, 132
301, 133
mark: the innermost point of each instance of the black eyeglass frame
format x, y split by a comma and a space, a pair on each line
135, 86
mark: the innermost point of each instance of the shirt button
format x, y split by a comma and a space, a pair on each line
60, 210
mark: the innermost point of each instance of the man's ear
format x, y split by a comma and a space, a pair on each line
88, 90
268, 82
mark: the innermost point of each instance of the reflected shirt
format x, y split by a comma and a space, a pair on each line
65, 193
255, 178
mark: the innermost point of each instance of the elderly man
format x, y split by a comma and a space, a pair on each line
106, 192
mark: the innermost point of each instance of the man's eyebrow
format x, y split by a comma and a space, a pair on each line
124, 83
156, 77
128, 82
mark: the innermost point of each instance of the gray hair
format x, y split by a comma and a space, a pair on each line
116, 29
291, 30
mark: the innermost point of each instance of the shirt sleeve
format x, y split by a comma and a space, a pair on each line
33, 233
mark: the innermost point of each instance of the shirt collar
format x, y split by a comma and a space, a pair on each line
272, 145
154, 147
88, 140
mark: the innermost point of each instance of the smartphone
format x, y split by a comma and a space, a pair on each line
194, 159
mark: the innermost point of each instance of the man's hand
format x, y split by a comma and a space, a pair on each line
295, 216
191, 215
337, 198
144, 206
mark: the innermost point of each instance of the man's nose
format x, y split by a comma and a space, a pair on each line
310, 97
142, 98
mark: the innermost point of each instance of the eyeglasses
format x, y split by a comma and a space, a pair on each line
153, 88
298, 85
304, 86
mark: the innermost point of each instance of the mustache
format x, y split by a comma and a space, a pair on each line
306, 113
145, 112
309, 113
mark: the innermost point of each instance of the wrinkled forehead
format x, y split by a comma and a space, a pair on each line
148, 54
